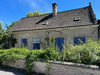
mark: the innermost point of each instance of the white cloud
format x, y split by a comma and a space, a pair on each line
40, 5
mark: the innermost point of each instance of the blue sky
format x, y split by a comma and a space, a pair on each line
14, 10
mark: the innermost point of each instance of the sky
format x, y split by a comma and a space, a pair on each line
14, 10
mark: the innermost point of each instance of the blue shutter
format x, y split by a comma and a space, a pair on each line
24, 41
59, 42
36, 46
79, 40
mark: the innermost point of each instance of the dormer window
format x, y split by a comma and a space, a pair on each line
76, 19
45, 23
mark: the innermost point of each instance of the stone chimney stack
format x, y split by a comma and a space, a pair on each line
89, 3
54, 9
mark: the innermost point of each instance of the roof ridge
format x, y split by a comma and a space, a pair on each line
57, 12
74, 9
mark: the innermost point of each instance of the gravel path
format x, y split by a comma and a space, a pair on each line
12, 71
9, 72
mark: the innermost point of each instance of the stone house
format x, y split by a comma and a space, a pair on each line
67, 25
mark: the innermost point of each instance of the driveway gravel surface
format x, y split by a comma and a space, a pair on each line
9, 72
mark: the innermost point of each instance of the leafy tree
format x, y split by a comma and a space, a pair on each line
35, 13
29, 14
1, 35
6, 37
0, 26
7, 27
1, 32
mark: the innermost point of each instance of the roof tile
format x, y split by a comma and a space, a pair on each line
63, 19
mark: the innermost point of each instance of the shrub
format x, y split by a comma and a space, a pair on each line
88, 53
11, 55
33, 55
52, 51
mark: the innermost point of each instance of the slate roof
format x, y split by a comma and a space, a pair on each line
75, 17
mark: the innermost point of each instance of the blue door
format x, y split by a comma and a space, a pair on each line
36, 46
79, 40
59, 42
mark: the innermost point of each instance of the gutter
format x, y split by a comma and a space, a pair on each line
96, 25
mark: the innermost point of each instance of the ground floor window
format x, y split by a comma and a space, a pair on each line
36, 46
79, 40
23, 42
36, 43
13, 44
59, 42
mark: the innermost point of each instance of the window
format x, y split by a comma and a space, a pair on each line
24, 42
36, 43
13, 44
59, 42
76, 19
79, 40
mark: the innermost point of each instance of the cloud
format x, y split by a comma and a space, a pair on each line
39, 5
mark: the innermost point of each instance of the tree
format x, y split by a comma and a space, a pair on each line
1, 35
35, 13
0, 26
1, 32
29, 14
6, 37
8, 27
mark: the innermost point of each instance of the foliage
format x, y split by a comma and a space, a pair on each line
52, 52
11, 55
88, 53
35, 13
1, 32
8, 27
6, 37
12, 23
33, 55
0, 26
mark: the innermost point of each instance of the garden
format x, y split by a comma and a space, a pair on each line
88, 53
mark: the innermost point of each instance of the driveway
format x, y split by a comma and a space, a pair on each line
12, 71
9, 72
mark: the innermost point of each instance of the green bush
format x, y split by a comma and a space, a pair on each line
11, 55
88, 53
1, 52
33, 55
1, 47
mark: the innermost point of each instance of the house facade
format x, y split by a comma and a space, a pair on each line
65, 26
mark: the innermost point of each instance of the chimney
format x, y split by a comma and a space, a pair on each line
54, 9
89, 3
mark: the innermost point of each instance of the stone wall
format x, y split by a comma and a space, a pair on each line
65, 68
59, 68
67, 33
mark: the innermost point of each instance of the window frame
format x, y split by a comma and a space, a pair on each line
24, 41
36, 41
77, 40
